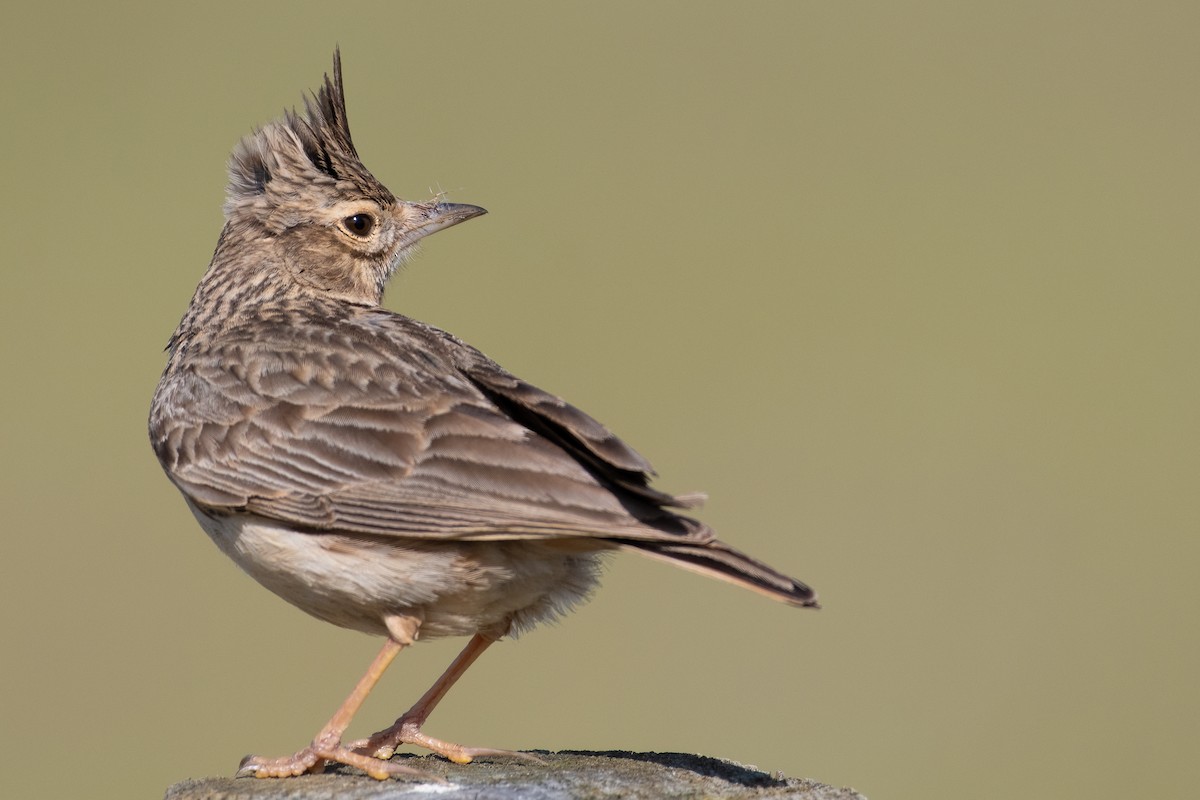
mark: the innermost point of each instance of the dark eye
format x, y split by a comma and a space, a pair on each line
359, 224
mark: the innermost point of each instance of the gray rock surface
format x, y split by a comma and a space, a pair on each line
567, 774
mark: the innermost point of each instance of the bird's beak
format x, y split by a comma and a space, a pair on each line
426, 218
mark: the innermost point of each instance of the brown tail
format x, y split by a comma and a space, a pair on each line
719, 560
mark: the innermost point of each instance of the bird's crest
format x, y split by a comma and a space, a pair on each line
302, 150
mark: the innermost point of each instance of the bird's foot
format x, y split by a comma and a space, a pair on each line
314, 757
382, 745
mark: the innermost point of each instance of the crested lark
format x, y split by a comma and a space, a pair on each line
375, 471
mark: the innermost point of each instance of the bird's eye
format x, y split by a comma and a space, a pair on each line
359, 224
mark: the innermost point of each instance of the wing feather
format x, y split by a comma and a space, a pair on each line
396, 428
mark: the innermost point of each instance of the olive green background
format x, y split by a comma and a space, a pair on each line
909, 288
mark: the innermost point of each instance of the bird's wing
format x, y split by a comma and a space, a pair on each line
422, 437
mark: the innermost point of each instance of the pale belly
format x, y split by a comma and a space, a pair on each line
457, 588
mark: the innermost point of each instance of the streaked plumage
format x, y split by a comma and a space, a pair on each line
373, 470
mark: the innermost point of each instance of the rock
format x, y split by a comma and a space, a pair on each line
566, 775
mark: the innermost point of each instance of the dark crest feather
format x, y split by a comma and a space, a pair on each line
326, 150
325, 132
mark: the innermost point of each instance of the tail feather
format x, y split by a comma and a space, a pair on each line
718, 560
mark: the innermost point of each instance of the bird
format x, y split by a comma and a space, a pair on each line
375, 471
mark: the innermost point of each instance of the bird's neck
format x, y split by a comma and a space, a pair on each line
236, 289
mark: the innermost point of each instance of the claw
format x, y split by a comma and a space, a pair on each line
383, 745
312, 759
306, 760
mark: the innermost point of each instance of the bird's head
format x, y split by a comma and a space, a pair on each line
298, 189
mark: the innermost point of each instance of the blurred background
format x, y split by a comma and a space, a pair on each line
908, 288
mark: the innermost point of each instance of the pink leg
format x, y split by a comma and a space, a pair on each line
407, 729
327, 744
